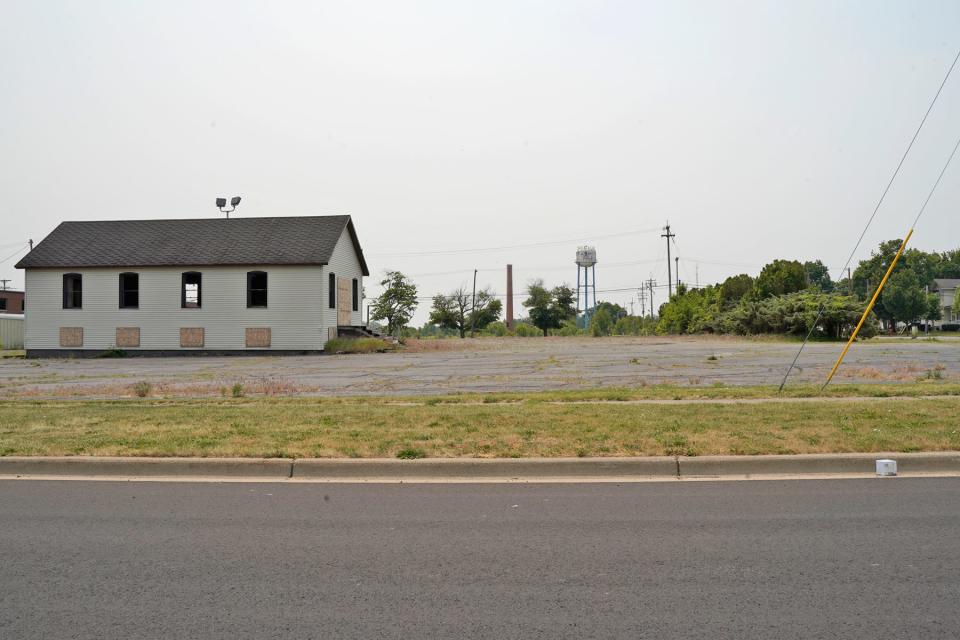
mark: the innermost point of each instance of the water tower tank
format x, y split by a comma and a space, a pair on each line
586, 256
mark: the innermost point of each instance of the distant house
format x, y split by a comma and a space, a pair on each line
11, 301
216, 285
946, 289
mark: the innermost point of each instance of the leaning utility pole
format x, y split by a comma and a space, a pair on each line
668, 236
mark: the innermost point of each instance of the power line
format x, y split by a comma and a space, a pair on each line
513, 246
883, 196
20, 250
936, 184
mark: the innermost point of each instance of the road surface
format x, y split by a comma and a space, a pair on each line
868, 559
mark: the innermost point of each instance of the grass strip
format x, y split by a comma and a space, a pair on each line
301, 427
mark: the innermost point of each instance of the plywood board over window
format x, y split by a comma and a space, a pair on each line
71, 336
191, 336
128, 336
343, 302
258, 336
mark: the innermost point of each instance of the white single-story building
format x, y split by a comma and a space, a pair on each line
214, 285
946, 289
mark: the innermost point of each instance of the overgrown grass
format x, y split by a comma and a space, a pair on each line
355, 427
358, 345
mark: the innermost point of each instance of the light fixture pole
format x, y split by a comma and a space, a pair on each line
222, 202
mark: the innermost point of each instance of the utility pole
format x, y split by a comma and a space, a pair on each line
642, 296
473, 304
631, 307
4, 285
510, 296
650, 284
698, 275
668, 236
676, 261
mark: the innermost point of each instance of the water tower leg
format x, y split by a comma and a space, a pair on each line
578, 289
594, 269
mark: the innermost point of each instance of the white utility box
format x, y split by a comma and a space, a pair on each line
886, 467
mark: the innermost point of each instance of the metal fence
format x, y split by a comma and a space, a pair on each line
11, 331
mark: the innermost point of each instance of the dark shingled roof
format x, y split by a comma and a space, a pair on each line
192, 242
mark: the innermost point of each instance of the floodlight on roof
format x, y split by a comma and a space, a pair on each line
222, 202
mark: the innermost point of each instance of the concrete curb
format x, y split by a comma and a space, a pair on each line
812, 464
488, 468
146, 467
479, 469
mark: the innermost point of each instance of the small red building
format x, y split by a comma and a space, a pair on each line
11, 301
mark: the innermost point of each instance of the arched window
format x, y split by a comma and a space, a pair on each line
256, 289
190, 290
332, 291
72, 291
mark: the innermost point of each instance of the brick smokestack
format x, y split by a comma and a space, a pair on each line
509, 296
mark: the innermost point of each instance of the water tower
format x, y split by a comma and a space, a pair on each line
586, 263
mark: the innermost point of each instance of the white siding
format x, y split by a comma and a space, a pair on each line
344, 263
11, 331
296, 305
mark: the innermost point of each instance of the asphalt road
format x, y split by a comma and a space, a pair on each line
865, 559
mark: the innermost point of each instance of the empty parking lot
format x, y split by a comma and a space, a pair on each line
487, 365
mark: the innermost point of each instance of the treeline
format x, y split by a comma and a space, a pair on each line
785, 298
788, 295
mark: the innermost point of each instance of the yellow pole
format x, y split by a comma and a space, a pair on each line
873, 301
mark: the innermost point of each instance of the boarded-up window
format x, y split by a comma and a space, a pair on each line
128, 336
258, 336
257, 289
190, 290
191, 337
129, 290
71, 336
72, 291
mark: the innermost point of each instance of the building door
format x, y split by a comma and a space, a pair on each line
344, 302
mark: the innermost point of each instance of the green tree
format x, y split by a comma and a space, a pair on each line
486, 311
549, 308
601, 323
398, 302
818, 275
734, 289
901, 304
459, 311
780, 277
904, 300
614, 310
949, 266
691, 311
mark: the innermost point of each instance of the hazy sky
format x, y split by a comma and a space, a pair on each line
759, 129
